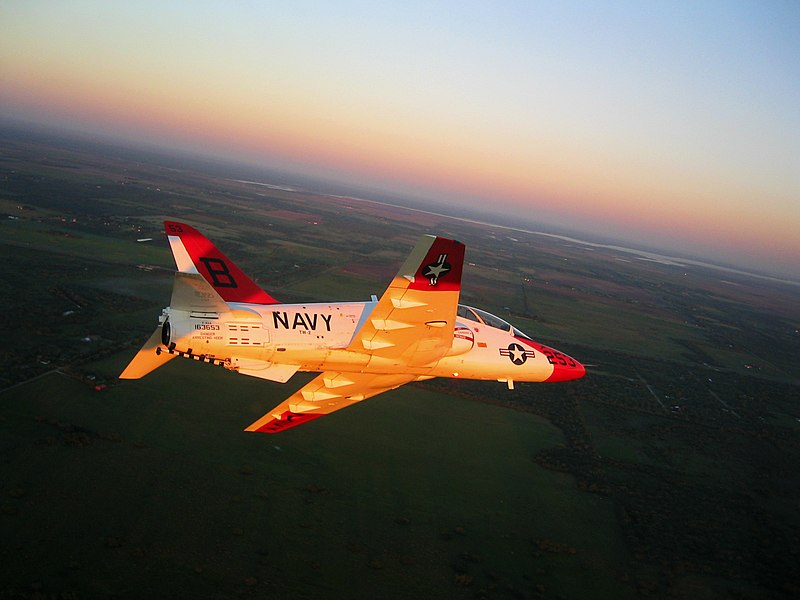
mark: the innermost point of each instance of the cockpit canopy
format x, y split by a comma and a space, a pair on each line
481, 316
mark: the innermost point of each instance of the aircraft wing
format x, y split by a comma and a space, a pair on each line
410, 327
325, 394
412, 324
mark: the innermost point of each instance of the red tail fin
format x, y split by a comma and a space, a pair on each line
194, 253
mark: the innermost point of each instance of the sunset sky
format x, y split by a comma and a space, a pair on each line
675, 124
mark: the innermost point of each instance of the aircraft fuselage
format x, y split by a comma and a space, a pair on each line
275, 341
416, 330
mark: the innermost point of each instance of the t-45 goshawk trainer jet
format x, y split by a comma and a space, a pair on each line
417, 330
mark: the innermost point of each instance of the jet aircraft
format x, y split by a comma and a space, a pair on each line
417, 330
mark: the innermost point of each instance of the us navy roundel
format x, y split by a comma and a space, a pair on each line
435, 270
516, 353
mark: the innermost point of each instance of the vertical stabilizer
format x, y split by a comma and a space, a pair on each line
195, 254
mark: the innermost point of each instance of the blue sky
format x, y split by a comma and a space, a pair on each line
667, 123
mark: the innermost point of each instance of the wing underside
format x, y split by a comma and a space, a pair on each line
409, 329
412, 324
328, 392
147, 359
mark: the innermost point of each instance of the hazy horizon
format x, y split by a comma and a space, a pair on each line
671, 127
233, 170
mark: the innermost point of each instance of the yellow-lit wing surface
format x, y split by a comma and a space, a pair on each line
412, 324
410, 328
148, 358
327, 393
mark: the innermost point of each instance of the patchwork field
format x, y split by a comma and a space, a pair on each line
669, 471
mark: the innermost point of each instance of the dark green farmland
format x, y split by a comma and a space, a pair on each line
669, 471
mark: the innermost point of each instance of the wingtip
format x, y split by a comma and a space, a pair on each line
287, 420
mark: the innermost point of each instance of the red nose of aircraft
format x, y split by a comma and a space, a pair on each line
566, 368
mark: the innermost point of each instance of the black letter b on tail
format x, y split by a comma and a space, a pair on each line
219, 272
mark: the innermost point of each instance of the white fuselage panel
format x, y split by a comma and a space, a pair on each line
315, 337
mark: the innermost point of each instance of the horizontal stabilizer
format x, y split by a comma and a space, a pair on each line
148, 358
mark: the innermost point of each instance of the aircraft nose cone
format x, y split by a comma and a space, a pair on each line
571, 369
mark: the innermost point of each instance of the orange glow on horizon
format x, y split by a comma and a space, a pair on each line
538, 182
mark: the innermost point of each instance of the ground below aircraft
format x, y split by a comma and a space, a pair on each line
417, 330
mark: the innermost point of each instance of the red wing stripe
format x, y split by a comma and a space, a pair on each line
287, 421
441, 268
